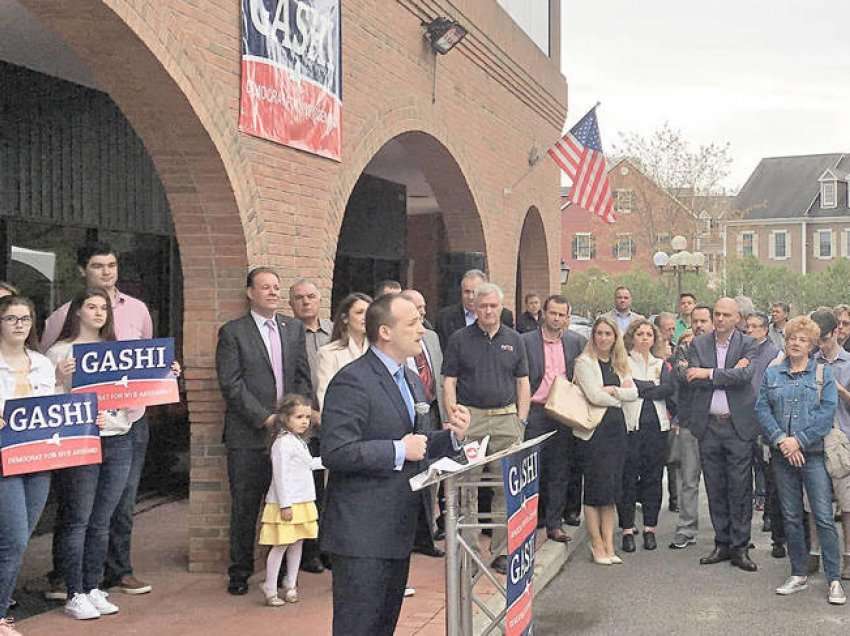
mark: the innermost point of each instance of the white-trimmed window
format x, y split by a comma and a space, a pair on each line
780, 245
704, 223
624, 201
748, 244
823, 244
662, 240
583, 246
829, 194
624, 247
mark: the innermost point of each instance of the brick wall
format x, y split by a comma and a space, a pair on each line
172, 66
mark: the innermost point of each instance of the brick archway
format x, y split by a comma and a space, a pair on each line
532, 258
138, 58
445, 166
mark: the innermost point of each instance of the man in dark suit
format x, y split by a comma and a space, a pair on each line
259, 358
552, 351
455, 317
722, 419
532, 317
374, 438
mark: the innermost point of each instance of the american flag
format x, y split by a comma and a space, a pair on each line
579, 155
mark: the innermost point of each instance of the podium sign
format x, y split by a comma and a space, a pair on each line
521, 477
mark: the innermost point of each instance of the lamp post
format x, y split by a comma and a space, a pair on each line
565, 272
680, 262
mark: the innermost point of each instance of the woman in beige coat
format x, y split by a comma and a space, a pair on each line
602, 372
348, 341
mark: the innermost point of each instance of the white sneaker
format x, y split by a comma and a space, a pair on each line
409, 591
836, 594
80, 607
98, 599
792, 585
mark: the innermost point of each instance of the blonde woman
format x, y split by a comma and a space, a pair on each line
648, 423
602, 372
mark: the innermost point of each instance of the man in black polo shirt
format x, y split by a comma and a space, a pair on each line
485, 369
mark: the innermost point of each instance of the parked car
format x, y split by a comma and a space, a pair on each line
581, 325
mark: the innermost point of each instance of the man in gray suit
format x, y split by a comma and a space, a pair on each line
722, 419
427, 365
259, 358
552, 351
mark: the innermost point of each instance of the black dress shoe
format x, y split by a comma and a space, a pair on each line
673, 506
440, 534
558, 535
429, 550
572, 519
720, 553
500, 564
742, 561
313, 565
237, 587
649, 542
628, 543
778, 551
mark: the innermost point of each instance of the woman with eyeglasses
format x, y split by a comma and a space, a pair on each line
23, 373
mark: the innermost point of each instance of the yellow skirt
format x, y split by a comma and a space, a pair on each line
275, 531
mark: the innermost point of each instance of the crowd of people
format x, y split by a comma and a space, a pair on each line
93, 528
326, 421
719, 392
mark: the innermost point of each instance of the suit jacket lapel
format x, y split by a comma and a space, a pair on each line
390, 387
712, 342
732, 352
254, 333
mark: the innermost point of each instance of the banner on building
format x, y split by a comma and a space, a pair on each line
291, 74
50, 432
126, 373
521, 477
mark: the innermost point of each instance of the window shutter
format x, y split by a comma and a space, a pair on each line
756, 244
574, 247
592, 240
632, 247
740, 241
771, 245
615, 249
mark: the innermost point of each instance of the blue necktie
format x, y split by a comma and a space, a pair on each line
401, 383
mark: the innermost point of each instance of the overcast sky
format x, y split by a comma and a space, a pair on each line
771, 78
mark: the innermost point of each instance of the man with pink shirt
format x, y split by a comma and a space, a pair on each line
552, 351
98, 265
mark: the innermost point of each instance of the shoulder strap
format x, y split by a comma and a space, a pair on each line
819, 379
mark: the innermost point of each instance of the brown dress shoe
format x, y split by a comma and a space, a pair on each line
558, 535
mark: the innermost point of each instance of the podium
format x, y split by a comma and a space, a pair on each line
464, 565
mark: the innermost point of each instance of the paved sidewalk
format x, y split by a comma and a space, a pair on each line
198, 604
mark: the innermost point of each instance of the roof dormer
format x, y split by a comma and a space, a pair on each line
828, 189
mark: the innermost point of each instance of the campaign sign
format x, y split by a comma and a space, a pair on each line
126, 373
45, 433
291, 74
521, 476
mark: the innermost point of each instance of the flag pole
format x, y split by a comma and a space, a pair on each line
508, 191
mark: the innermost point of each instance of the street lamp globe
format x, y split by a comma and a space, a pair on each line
660, 259
678, 243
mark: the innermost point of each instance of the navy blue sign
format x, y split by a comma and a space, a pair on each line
50, 432
521, 477
126, 373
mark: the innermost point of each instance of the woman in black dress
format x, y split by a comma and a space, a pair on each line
602, 372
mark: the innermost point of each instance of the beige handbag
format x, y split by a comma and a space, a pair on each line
568, 405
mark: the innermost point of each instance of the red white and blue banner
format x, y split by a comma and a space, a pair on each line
521, 477
50, 432
126, 373
291, 74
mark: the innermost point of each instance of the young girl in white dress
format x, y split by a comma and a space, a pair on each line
290, 514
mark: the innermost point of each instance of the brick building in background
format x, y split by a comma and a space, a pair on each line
648, 217
794, 212
429, 145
